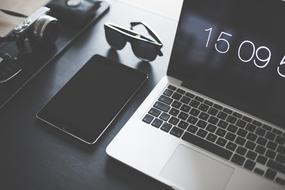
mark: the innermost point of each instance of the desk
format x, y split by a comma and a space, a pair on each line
36, 157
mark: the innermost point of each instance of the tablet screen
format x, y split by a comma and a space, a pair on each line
90, 101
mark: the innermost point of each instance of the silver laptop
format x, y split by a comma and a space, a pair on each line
216, 121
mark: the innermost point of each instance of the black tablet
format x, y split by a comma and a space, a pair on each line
91, 100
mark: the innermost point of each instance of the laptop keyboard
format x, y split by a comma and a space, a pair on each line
233, 136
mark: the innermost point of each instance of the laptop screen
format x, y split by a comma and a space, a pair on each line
234, 51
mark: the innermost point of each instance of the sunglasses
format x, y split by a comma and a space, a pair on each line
144, 48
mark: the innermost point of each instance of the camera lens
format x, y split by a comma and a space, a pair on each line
46, 28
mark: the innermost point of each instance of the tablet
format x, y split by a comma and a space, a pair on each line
91, 100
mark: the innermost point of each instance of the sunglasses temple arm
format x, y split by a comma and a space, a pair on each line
148, 30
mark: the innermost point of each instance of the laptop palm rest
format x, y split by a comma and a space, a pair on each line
189, 169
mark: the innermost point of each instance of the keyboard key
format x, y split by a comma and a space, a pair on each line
211, 128
267, 127
213, 111
222, 124
157, 123
222, 115
260, 132
228, 111
180, 91
232, 128
276, 166
259, 171
176, 132
211, 137
261, 141
271, 145
192, 129
231, 146
270, 136
194, 112
230, 136
183, 116
202, 124
241, 123
219, 107
280, 181
240, 141
261, 159
241, 132
260, 149
237, 115
162, 106
209, 103
277, 131
207, 145
194, 103
174, 112
251, 136
173, 120
221, 132
154, 112
176, 104
249, 164
281, 149
250, 145
221, 141
166, 127
185, 108
280, 140
250, 127
203, 107
270, 154
204, 116
148, 119
247, 119
190, 95
257, 123
231, 119
239, 160
183, 125
192, 120
172, 87
251, 155
168, 92
164, 116
176, 96
200, 99
241, 150
280, 158
185, 100
213, 120
202, 133
165, 99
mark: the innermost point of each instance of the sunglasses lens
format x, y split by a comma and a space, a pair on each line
144, 50
115, 39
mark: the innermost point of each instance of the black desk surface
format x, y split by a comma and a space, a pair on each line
34, 156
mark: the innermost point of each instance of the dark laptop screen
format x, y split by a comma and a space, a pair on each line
234, 51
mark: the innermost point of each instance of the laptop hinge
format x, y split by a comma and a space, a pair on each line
174, 80
186, 84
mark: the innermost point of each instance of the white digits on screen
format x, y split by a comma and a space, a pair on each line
220, 40
239, 51
209, 36
278, 68
266, 60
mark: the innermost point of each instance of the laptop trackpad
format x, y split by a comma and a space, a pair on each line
189, 169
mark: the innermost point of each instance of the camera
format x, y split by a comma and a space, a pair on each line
38, 28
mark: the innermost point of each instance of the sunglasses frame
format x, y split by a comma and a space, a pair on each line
131, 34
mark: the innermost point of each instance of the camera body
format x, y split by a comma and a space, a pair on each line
38, 28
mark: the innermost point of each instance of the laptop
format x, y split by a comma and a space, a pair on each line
216, 121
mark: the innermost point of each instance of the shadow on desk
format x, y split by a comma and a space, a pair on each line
127, 175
